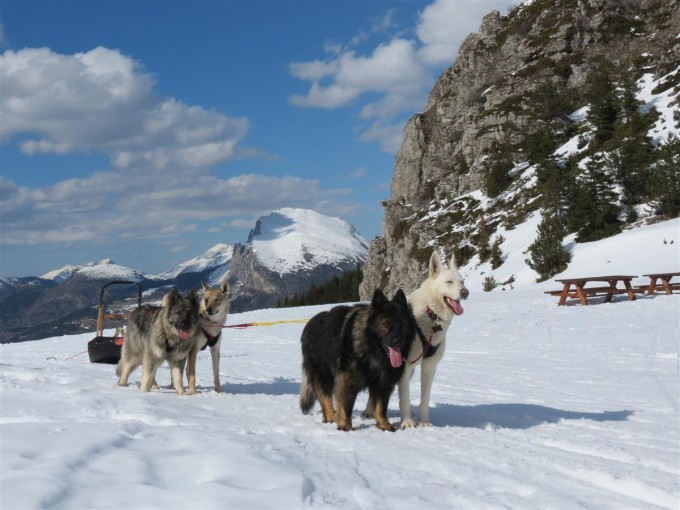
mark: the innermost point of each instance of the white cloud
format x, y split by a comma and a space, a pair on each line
104, 101
105, 207
400, 71
162, 150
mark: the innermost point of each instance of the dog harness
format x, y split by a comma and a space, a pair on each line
429, 350
212, 339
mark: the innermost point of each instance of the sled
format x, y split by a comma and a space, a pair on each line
106, 349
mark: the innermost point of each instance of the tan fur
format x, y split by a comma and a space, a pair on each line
215, 300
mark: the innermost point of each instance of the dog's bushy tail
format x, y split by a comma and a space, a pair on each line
307, 397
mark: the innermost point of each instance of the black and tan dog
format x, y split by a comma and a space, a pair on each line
350, 348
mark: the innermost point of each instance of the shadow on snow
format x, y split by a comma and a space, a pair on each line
279, 386
513, 416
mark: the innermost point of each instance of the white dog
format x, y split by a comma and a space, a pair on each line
434, 305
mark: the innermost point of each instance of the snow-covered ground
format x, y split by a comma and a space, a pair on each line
534, 406
636, 252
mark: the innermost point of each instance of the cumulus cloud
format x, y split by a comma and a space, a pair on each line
141, 207
104, 101
399, 71
160, 184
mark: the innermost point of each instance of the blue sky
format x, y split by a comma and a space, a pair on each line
149, 131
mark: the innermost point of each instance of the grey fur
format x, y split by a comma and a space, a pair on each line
157, 334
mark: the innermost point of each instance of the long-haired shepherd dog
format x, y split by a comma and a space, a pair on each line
213, 310
156, 334
350, 348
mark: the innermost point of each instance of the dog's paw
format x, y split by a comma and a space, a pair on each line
388, 427
407, 424
425, 424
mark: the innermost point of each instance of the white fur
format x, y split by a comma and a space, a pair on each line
442, 282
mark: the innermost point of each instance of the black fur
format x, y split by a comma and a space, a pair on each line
346, 350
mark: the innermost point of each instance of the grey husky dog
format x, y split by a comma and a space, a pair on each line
156, 334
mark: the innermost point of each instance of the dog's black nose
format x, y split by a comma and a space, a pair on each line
209, 310
464, 293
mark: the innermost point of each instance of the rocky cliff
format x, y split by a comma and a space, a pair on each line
489, 99
288, 251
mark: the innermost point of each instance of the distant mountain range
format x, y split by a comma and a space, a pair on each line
286, 252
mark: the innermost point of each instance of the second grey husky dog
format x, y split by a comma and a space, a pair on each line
213, 310
156, 334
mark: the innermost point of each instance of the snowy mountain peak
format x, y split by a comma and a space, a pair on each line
217, 256
289, 240
102, 269
62, 274
107, 269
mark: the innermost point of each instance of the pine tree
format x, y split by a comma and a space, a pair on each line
489, 284
665, 179
497, 177
336, 290
495, 254
604, 110
594, 211
484, 249
554, 182
547, 255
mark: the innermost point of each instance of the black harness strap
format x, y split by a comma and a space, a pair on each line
212, 339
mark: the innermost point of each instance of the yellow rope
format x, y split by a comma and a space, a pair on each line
271, 323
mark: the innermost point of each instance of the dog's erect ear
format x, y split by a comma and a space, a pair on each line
193, 297
224, 287
452, 262
400, 298
171, 297
379, 299
205, 287
435, 264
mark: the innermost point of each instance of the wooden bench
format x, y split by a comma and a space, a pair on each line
580, 291
665, 285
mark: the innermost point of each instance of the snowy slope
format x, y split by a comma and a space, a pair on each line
644, 250
665, 102
62, 274
216, 257
289, 240
534, 406
657, 247
107, 270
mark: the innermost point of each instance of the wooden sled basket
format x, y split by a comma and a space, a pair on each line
106, 349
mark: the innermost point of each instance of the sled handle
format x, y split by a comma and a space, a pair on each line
100, 313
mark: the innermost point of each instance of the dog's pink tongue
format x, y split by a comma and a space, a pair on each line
395, 357
183, 334
455, 306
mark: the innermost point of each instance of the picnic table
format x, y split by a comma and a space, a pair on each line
582, 292
665, 285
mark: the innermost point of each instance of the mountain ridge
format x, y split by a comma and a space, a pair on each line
475, 162
31, 307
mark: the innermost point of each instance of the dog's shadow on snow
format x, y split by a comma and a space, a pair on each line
279, 386
512, 416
